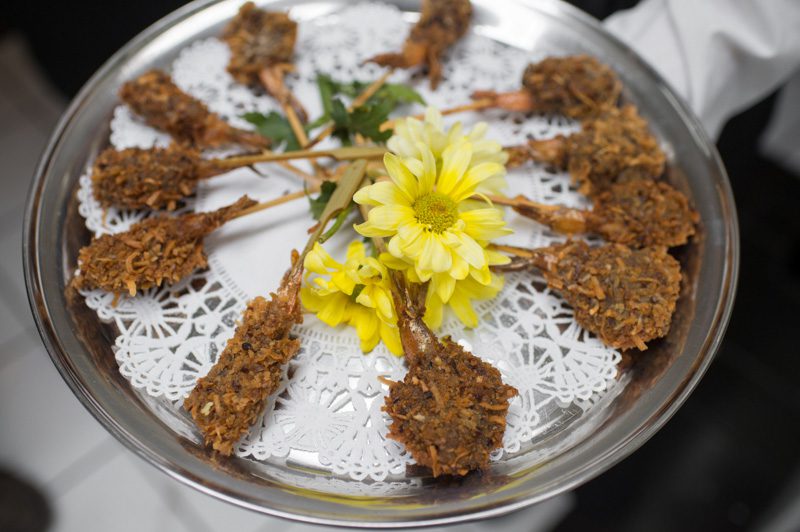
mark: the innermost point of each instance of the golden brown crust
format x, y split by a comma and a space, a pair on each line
157, 250
576, 86
258, 40
156, 178
613, 147
440, 25
230, 398
450, 410
155, 97
643, 213
626, 297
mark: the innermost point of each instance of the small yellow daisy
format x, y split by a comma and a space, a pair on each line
356, 293
444, 292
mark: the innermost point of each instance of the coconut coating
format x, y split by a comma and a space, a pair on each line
258, 40
155, 178
624, 296
576, 86
643, 213
450, 410
156, 250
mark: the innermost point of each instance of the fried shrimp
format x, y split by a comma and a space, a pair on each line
626, 297
639, 213
614, 146
154, 251
155, 178
450, 409
262, 49
577, 86
155, 97
440, 25
229, 399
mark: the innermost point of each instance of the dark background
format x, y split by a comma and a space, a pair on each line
729, 458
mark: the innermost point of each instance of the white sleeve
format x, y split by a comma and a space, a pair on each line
720, 55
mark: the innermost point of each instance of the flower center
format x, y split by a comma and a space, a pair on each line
437, 211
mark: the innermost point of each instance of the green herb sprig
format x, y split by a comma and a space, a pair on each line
366, 119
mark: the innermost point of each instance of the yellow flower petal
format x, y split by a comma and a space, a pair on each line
343, 282
435, 256
415, 166
434, 311
455, 161
433, 116
310, 299
318, 261
385, 220
427, 178
401, 176
482, 275
390, 261
384, 305
390, 217
495, 258
381, 193
478, 132
463, 309
391, 339
355, 251
335, 310
484, 224
460, 268
467, 185
444, 285
367, 229
470, 251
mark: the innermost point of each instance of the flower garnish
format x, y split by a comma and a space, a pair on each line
458, 295
410, 134
356, 293
425, 212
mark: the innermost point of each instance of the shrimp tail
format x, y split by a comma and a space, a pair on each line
560, 219
520, 101
414, 53
415, 336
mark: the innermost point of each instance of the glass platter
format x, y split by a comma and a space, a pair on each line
574, 448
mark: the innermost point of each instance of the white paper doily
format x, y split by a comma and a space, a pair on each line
327, 414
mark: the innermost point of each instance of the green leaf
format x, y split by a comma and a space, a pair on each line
367, 120
321, 121
337, 223
327, 89
274, 127
317, 205
400, 94
341, 122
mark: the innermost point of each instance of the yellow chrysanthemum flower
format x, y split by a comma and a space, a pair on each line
444, 292
410, 134
460, 301
425, 212
356, 293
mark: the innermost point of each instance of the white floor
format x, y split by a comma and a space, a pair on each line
46, 436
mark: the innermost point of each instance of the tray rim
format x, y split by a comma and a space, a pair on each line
614, 454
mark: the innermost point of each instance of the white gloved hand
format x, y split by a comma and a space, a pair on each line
721, 55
